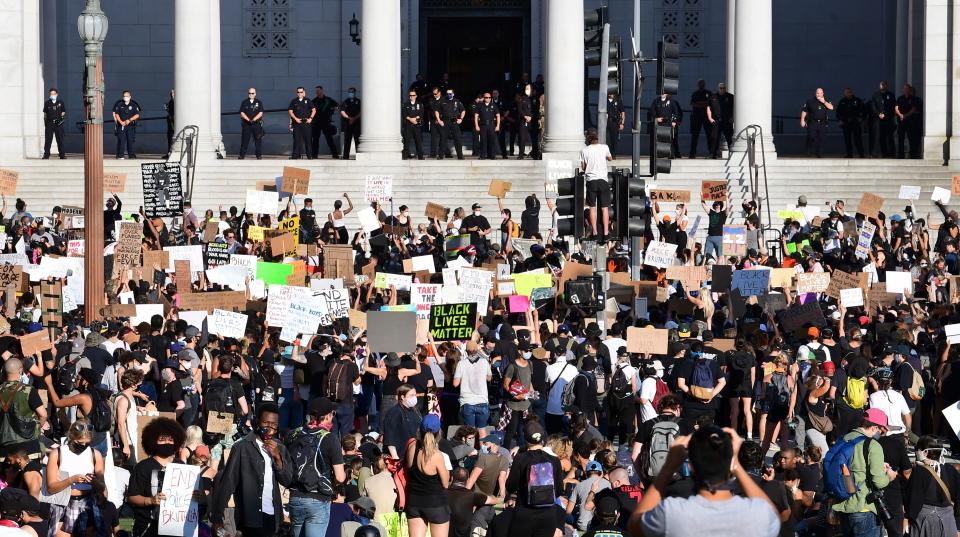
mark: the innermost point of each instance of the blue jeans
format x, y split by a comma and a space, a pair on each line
475, 416
308, 516
344, 417
860, 525
715, 244
291, 412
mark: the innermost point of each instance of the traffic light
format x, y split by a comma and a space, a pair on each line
571, 192
668, 68
593, 22
614, 72
631, 204
661, 143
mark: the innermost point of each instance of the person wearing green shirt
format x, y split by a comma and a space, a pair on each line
858, 517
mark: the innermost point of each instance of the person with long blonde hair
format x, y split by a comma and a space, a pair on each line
427, 479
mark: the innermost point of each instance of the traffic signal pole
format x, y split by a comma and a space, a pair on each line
604, 77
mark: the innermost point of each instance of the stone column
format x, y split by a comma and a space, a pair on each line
936, 70
753, 70
564, 77
955, 98
903, 20
380, 85
192, 74
216, 136
731, 45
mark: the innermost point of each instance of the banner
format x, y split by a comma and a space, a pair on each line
453, 322
735, 241
379, 188
217, 254
179, 511
162, 189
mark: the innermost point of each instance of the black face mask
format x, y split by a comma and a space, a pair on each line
78, 448
264, 433
165, 450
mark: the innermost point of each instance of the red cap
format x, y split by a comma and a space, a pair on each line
828, 368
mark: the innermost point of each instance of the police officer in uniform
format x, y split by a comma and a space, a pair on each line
301, 111
698, 116
524, 118
323, 124
412, 118
666, 111
882, 105
616, 118
420, 87
813, 117
433, 111
170, 109
850, 114
350, 121
504, 120
54, 113
126, 112
720, 116
251, 124
486, 122
908, 111
449, 118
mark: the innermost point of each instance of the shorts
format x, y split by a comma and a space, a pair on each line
432, 515
598, 190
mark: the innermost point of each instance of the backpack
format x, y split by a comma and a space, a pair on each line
620, 385
540, 486
702, 380
310, 470
101, 415
917, 389
837, 477
855, 394
219, 397
654, 453
66, 377
17, 420
741, 361
568, 397
334, 386
662, 389
778, 391
819, 354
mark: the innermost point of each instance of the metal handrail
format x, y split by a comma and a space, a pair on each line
750, 133
187, 138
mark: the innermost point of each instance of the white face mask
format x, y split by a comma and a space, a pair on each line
410, 401
527, 355
278, 368
476, 212
53, 97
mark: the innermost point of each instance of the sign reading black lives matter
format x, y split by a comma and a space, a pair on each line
452, 322
162, 189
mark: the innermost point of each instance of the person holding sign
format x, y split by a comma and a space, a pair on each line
336, 218
161, 440
717, 217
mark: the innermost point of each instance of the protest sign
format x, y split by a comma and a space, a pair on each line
526, 282
870, 205
840, 280
247, 262
218, 254
358, 319
899, 282
721, 277
690, 276
475, 285
256, 233
273, 273
940, 194
773, 302
260, 202
193, 253
798, 317
295, 180
162, 189
503, 271
76, 248
424, 295
391, 331
181, 277
851, 297
735, 241
955, 184
114, 182
452, 322
291, 225
522, 246
908, 192
713, 191
384, 280
436, 211
210, 230
281, 244
867, 229
379, 188
8, 182
279, 298
209, 301
336, 301
519, 304
571, 271
750, 282
499, 189
780, 277
127, 252
179, 513
670, 196
879, 297
338, 263
10, 275
555, 171
812, 282
952, 331
660, 254
416, 264
647, 340
119, 310
303, 317
38, 341
368, 220
227, 323
640, 308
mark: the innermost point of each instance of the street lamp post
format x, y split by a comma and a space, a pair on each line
92, 26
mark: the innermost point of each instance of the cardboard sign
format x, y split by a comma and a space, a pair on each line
841, 280
796, 318
647, 340
573, 270
225, 300
114, 182
851, 297
34, 343
338, 263
813, 282
870, 205
119, 310
713, 191
182, 278
210, 231
670, 196
750, 282
179, 512
499, 189
878, 297
955, 184
156, 258
735, 241
127, 252
281, 244
295, 180
436, 211
660, 254
392, 331
162, 189
940, 194
416, 264
10, 275
379, 188
358, 319
260, 202
453, 322
780, 277
773, 302
8, 182
689, 276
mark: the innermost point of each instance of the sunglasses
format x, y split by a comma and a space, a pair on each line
251, 93
83, 427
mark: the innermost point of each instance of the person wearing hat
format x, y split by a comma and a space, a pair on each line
536, 516
478, 227
593, 481
606, 519
190, 375
813, 349
315, 449
669, 228
427, 477
866, 467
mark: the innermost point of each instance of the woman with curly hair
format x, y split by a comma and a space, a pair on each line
162, 438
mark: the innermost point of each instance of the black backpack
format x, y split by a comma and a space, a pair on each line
219, 397
101, 413
66, 377
311, 471
620, 385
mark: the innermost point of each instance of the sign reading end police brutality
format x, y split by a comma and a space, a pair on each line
179, 511
162, 189
452, 322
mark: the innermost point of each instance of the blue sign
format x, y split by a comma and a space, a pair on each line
751, 282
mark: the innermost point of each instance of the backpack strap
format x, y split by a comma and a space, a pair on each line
565, 364
5, 402
936, 476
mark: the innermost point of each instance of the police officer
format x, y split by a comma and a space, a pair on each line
504, 121
882, 105
698, 116
666, 111
126, 112
420, 87
323, 124
412, 118
486, 122
813, 117
720, 116
436, 136
350, 121
251, 124
616, 118
908, 111
302, 112
54, 113
850, 114
170, 110
449, 118
524, 118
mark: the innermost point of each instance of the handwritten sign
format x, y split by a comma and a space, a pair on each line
851, 297
379, 187
227, 323
647, 340
179, 511
8, 182
436, 211
218, 254
182, 277
798, 317
127, 251
114, 182
384, 280
813, 282
423, 296
781, 277
336, 301
735, 241
870, 205
865, 240
475, 285
909, 192
670, 196
10, 275
499, 189
36, 342
295, 180
660, 254
555, 171
841, 280
162, 189
940, 194
750, 282
713, 190
453, 322
260, 202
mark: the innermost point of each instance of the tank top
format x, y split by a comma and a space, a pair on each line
76, 464
131, 425
423, 489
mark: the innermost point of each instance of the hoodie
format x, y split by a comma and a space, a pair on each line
530, 217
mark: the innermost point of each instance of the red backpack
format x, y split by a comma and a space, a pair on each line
662, 389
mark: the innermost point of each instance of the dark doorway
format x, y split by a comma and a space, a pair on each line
479, 53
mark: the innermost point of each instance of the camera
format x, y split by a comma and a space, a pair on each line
876, 498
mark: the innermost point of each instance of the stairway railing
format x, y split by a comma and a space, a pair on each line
186, 140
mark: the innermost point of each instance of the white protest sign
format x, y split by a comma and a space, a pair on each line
318, 284
423, 262
145, 312
379, 187
262, 202
179, 511
424, 295
909, 192
940, 194
279, 298
660, 254
557, 170
227, 323
248, 262
522, 246
194, 318
951, 413
232, 276
899, 282
336, 302
851, 297
304, 318
867, 229
952, 332
503, 272
368, 220
475, 285
450, 277
194, 254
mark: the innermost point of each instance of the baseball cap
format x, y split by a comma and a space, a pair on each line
666, 218
896, 218
813, 332
321, 407
594, 466
476, 206
802, 200
365, 505
876, 417
534, 432
683, 330
828, 368
431, 423
191, 331
607, 506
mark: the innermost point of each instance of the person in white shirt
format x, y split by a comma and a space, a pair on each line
891, 402
559, 374
648, 390
471, 376
593, 163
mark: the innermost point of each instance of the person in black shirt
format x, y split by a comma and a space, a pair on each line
54, 113
301, 112
323, 124
111, 215
170, 109
251, 124
308, 222
126, 112
463, 502
413, 112
524, 117
813, 117
437, 148
850, 113
665, 111
478, 227
616, 119
530, 520
449, 116
530, 217
908, 110
171, 394
716, 218
162, 439
350, 121
699, 102
882, 110
720, 116
486, 122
